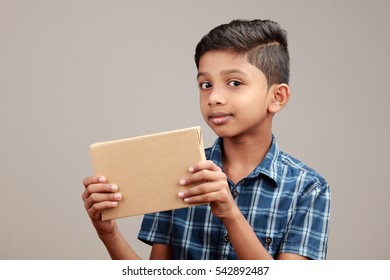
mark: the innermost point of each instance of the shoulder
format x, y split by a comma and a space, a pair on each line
304, 177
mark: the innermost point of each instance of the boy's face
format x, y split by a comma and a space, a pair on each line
233, 95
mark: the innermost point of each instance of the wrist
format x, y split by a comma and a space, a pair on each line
107, 236
232, 217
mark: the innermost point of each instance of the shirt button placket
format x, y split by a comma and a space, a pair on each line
226, 246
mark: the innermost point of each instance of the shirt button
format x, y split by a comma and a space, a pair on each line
226, 238
235, 194
268, 240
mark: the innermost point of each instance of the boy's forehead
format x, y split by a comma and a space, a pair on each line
225, 62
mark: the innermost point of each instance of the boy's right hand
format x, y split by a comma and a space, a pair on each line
98, 196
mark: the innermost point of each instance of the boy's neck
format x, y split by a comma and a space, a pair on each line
242, 155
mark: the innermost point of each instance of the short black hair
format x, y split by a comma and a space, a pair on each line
264, 43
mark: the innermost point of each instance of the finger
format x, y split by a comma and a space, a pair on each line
95, 210
98, 188
97, 198
204, 175
207, 197
94, 180
204, 164
203, 188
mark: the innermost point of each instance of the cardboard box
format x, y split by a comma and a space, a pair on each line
147, 169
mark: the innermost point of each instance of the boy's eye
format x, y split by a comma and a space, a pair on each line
205, 85
234, 83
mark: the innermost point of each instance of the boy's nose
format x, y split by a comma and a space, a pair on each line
216, 97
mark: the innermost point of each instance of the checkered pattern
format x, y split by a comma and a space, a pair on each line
286, 203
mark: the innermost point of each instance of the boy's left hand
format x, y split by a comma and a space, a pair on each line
212, 188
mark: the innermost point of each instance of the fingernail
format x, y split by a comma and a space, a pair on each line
117, 196
114, 203
102, 179
191, 169
182, 182
114, 188
186, 200
180, 194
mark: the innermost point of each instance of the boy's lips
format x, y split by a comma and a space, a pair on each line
219, 118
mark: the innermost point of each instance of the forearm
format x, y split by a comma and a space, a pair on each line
244, 241
118, 247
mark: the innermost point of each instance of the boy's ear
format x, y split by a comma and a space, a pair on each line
280, 95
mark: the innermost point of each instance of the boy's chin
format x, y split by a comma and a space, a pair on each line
223, 131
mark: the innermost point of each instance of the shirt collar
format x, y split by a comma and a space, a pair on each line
270, 166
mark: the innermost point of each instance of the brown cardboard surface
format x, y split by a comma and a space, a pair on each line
147, 169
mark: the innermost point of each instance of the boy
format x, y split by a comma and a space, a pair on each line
261, 202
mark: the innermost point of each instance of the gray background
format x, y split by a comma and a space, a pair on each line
77, 72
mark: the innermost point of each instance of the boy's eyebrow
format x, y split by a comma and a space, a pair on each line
201, 74
225, 72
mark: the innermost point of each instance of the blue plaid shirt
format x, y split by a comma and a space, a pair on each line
286, 203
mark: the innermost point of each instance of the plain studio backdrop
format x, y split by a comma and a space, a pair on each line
73, 73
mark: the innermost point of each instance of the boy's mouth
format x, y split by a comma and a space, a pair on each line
219, 118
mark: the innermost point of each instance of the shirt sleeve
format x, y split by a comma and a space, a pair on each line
156, 228
307, 230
